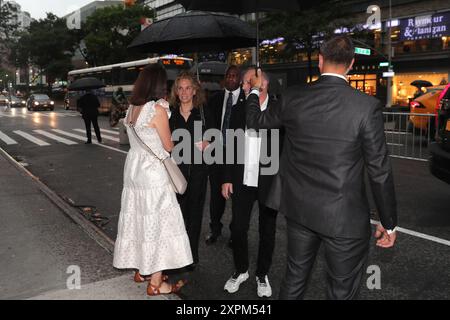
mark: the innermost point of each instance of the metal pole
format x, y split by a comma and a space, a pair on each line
389, 79
257, 40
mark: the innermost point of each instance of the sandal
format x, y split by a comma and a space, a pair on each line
153, 290
139, 279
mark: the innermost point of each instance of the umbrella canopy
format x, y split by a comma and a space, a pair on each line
421, 83
195, 31
240, 6
89, 83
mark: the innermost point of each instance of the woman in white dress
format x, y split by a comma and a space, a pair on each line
151, 234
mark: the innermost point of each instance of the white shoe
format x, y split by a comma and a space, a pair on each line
264, 288
235, 281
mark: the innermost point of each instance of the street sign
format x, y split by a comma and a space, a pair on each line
362, 51
389, 74
384, 64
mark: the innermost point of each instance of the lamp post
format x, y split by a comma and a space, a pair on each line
389, 79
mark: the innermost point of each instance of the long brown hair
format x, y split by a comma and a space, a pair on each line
151, 84
198, 100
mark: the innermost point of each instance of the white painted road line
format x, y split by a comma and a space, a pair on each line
54, 137
418, 234
29, 137
109, 131
106, 137
83, 138
395, 144
7, 139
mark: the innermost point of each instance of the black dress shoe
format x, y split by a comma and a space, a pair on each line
212, 238
88, 142
230, 244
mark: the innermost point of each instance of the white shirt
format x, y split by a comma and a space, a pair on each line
236, 93
334, 75
252, 154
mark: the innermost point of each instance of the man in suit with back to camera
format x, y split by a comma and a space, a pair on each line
220, 107
332, 133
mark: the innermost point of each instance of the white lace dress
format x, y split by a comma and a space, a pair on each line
151, 234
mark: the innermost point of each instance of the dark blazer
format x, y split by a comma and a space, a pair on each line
332, 133
234, 173
88, 105
237, 120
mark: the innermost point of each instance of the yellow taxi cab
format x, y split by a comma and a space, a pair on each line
423, 105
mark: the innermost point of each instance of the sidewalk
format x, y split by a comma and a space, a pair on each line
42, 243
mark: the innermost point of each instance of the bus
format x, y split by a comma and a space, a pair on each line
122, 75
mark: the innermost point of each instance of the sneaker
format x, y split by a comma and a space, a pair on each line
264, 288
235, 281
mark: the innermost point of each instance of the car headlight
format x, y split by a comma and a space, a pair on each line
13, 102
7, 100
52, 102
23, 102
36, 103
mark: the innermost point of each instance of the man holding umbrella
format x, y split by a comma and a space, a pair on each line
88, 106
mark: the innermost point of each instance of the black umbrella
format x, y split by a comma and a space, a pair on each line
421, 83
89, 83
195, 31
245, 6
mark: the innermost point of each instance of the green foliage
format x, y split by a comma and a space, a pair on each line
48, 44
304, 30
8, 28
109, 31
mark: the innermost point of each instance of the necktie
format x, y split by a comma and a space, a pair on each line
227, 117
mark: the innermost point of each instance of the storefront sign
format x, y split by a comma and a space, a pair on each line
425, 27
363, 51
389, 74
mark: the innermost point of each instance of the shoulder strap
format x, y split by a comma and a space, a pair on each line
202, 115
131, 126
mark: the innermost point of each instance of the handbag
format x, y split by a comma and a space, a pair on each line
176, 177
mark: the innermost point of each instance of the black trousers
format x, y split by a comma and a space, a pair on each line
217, 202
191, 204
87, 121
243, 200
345, 261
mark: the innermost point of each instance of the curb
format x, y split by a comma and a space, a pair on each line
93, 231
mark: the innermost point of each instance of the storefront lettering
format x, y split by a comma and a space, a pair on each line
425, 27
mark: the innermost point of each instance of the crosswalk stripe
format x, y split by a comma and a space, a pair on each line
103, 136
29, 137
76, 136
7, 139
109, 131
54, 137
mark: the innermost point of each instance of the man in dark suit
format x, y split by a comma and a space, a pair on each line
247, 183
220, 107
332, 133
88, 106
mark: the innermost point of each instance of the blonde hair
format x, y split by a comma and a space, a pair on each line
199, 98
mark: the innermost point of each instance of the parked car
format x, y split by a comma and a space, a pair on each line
16, 102
440, 150
3, 100
425, 104
40, 101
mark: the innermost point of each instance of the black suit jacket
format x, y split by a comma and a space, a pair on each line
88, 105
332, 132
237, 120
234, 173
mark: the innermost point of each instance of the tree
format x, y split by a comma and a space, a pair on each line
8, 28
304, 30
109, 31
47, 44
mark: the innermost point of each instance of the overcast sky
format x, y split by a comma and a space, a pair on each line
38, 8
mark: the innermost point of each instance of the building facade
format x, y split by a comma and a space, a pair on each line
164, 8
420, 36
